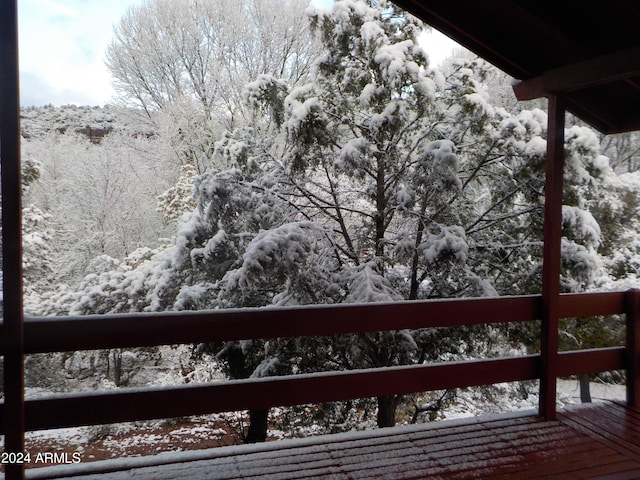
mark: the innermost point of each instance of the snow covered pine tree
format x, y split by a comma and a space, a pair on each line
379, 179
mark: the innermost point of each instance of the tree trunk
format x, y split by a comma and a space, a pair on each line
415, 283
585, 392
116, 355
381, 205
387, 411
257, 432
238, 369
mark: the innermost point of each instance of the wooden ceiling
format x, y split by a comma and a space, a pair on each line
587, 51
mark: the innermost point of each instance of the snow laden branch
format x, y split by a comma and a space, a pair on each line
362, 174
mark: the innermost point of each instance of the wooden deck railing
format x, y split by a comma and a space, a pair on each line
58, 334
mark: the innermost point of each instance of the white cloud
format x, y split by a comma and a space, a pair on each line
51, 6
62, 45
36, 90
438, 46
325, 4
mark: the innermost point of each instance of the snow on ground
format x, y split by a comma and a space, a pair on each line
569, 392
147, 438
132, 439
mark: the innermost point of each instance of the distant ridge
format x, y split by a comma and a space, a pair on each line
92, 121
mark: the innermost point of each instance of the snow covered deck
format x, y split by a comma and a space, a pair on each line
587, 441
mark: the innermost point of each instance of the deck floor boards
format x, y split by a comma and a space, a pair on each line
589, 441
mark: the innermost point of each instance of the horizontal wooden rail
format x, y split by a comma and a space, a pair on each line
58, 334
77, 409
150, 403
592, 304
583, 362
54, 334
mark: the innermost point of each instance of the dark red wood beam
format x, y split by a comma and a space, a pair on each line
592, 304
633, 348
68, 410
584, 362
57, 334
13, 413
621, 65
153, 403
551, 257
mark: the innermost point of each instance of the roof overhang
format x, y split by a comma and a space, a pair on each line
587, 51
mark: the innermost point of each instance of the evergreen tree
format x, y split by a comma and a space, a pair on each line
381, 179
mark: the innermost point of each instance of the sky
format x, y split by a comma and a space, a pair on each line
62, 46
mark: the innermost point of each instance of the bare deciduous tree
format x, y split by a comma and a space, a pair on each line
207, 50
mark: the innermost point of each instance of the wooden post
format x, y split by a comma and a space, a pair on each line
11, 185
632, 309
552, 260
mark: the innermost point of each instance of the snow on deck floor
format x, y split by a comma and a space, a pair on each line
584, 443
120, 438
123, 438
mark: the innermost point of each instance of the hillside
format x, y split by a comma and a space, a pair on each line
94, 122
